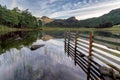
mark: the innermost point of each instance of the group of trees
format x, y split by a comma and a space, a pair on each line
17, 18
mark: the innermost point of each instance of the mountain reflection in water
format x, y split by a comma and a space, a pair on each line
46, 63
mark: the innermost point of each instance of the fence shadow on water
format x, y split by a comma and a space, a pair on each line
98, 61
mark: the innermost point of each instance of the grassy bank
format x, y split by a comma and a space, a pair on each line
114, 28
82, 29
8, 29
5, 28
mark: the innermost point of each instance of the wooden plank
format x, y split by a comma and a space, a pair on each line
88, 65
82, 59
109, 64
85, 59
75, 48
84, 35
82, 66
72, 47
107, 50
95, 63
68, 42
83, 45
107, 57
71, 43
96, 72
81, 49
83, 41
115, 40
72, 36
65, 36
73, 33
89, 56
95, 76
71, 39
109, 44
82, 54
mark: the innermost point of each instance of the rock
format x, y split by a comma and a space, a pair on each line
107, 73
19, 38
47, 37
34, 47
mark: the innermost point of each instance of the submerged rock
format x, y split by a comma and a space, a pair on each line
34, 47
19, 38
46, 37
109, 73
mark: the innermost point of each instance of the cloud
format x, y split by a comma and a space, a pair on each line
6, 2
67, 6
81, 9
14, 4
89, 11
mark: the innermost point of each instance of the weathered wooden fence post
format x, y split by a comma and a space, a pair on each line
89, 56
75, 47
68, 43
65, 36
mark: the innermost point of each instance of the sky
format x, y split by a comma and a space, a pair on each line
62, 9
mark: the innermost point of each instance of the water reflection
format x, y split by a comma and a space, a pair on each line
55, 34
18, 62
107, 34
18, 39
46, 63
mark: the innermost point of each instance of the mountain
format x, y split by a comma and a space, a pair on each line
72, 19
106, 20
63, 22
45, 19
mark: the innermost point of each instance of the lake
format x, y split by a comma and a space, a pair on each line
19, 62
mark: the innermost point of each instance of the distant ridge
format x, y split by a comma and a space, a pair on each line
106, 20
45, 19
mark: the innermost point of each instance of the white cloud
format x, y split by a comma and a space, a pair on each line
90, 11
14, 4
67, 6
90, 1
52, 1
85, 1
64, 8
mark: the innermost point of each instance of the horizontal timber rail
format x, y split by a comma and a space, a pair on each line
98, 61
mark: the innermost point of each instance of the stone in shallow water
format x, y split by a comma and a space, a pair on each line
46, 37
109, 73
19, 38
34, 47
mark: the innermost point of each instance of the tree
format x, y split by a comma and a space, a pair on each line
106, 25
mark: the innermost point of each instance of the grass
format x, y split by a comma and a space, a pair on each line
114, 28
9, 29
63, 29
5, 28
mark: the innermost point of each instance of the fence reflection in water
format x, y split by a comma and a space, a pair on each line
97, 61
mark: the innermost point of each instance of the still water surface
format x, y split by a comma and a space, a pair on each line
19, 62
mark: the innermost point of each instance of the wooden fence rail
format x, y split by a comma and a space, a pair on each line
97, 61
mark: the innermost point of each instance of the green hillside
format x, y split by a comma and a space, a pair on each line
107, 20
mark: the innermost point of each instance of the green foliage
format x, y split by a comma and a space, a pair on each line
16, 39
107, 20
18, 18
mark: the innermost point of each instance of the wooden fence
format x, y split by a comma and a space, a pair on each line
97, 61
